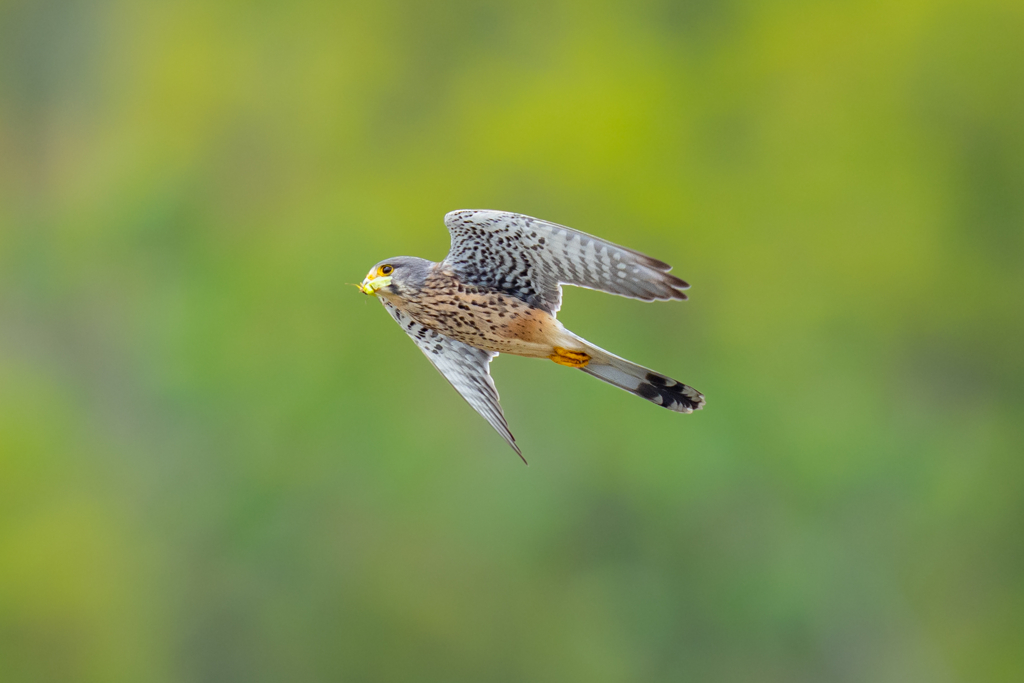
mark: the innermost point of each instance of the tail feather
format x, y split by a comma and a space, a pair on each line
643, 382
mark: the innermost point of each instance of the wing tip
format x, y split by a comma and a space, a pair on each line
654, 263
669, 293
676, 283
676, 287
512, 442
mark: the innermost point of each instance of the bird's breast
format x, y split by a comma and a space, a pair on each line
485, 319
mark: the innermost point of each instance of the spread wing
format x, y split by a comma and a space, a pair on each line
530, 259
465, 367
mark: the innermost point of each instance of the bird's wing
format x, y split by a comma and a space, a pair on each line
530, 259
465, 367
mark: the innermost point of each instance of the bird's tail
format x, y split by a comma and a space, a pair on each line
638, 380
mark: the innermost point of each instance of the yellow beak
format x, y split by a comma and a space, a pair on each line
370, 285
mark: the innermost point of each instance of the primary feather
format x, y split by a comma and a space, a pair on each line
531, 258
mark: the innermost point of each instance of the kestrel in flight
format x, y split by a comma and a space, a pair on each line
498, 291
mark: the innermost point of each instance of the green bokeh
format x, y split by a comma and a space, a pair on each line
218, 462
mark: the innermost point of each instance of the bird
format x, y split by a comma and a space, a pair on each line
499, 291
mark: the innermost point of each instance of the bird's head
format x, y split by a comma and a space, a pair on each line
396, 276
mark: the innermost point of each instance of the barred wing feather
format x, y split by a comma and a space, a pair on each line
530, 259
465, 367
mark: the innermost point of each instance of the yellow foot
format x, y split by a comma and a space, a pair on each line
571, 359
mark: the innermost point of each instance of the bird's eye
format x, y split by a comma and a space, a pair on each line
386, 270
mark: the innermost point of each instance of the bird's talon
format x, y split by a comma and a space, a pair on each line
570, 359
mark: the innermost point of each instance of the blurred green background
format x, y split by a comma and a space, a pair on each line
218, 462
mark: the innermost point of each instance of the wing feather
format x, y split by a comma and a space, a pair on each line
530, 258
466, 368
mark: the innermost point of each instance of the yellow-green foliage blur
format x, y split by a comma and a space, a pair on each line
219, 462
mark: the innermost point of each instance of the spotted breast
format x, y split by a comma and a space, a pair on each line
486, 319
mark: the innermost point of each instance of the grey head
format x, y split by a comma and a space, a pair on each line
401, 276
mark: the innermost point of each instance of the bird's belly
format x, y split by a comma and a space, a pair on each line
494, 322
